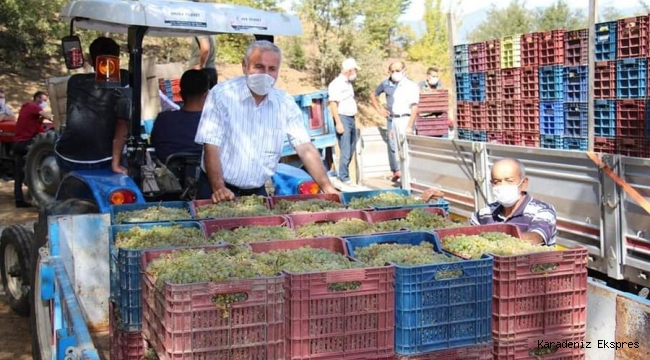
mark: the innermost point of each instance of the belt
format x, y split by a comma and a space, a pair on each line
401, 115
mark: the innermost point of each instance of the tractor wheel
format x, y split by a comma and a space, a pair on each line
15, 249
42, 174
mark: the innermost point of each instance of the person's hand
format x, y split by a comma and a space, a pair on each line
432, 193
409, 131
222, 194
330, 189
340, 129
119, 169
384, 113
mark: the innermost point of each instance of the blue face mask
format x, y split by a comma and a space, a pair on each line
43, 104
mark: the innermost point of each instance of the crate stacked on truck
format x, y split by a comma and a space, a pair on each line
536, 90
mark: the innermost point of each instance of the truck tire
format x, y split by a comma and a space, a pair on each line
15, 250
40, 320
42, 174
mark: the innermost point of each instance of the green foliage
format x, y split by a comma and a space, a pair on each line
381, 20
646, 7
559, 16
610, 13
295, 55
511, 20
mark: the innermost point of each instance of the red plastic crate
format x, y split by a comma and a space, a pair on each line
463, 115
434, 102
475, 352
551, 47
493, 85
494, 138
511, 84
605, 80
530, 139
529, 83
213, 225
335, 244
494, 113
530, 117
512, 138
529, 347
329, 216
630, 118
386, 215
493, 54
477, 57
605, 145
529, 45
632, 37
575, 47
432, 125
633, 147
511, 116
124, 345
478, 118
273, 200
181, 321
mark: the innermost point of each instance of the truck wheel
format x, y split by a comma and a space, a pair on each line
15, 245
42, 174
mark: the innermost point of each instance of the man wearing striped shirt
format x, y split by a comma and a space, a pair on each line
242, 129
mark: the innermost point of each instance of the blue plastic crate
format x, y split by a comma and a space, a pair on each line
346, 197
575, 119
575, 143
117, 209
605, 118
575, 83
461, 59
606, 41
551, 142
463, 86
479, 136
126, 287
631, 78
434, 314
551, 118
477, 87
551, 82
464, 134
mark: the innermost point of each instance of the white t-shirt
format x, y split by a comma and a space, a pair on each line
341, 91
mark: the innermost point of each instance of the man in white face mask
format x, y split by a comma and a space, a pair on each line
5, 111
242, 129
432, 82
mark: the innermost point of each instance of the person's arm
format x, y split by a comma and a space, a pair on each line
542, 229
333, 97
428, 194
375, 103
204, 51
414, 100
119, 140
45, 115
8, 115
214, 170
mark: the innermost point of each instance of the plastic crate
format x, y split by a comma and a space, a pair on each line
493, 54
511, 115
511, 84
435, 314
530, 139
315, 111
631, 78
432, 125
463, 86
171, 88
576, 47
493, 118
575, 119
461, 59
551, 117
529, 49
463, 114
118, 209
478, 117
495, 138
492, 85
605, 145
195, 205
631, 118
436, 101
181, 321
477, 87
512, 138
529, 83
473, 352
605, 80
346, 197
477, 57
605, 118
632, 37
551, 142
123, 345
213, 225
633, 147
575, 143
464, 134
606, 41
528, 347
530, 117
551, 47
297, 220
479, 136
274, 200
511, 51
397, 214
551, 83
575, 84
126, 279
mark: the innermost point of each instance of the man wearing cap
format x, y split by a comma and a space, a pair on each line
343, 108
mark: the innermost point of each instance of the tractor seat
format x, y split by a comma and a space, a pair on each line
186, 167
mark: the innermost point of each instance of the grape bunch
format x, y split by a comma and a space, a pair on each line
401, 254
305, 206
418, 219
474, 246
338, 228
253, 233
154, 213
138, 238
386, 199
245, 206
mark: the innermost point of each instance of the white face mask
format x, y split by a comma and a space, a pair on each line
433, 80
506, 195
352, 77
260, 84
396, 77
2, 102
43, 104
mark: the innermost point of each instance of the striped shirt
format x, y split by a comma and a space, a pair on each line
249, 136
532, 216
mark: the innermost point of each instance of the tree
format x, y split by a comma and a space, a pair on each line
559, 16
609, 13
645, 5
381, 20
511, 20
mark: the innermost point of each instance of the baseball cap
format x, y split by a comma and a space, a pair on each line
349, 64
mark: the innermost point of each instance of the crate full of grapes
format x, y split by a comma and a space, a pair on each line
537, 289
126, 243
250, 229
307, 203
151, 212
388, 199
331, 223
215, 302
245, 206
441, 300
409, 219
336, 308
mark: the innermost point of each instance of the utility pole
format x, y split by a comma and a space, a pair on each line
593, 11
451, 30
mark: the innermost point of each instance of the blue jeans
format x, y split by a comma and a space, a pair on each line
347, 146
67, 166
392, 154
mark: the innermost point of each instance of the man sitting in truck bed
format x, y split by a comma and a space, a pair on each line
535, 218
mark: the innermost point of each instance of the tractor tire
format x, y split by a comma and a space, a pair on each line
42, 173
15, 249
